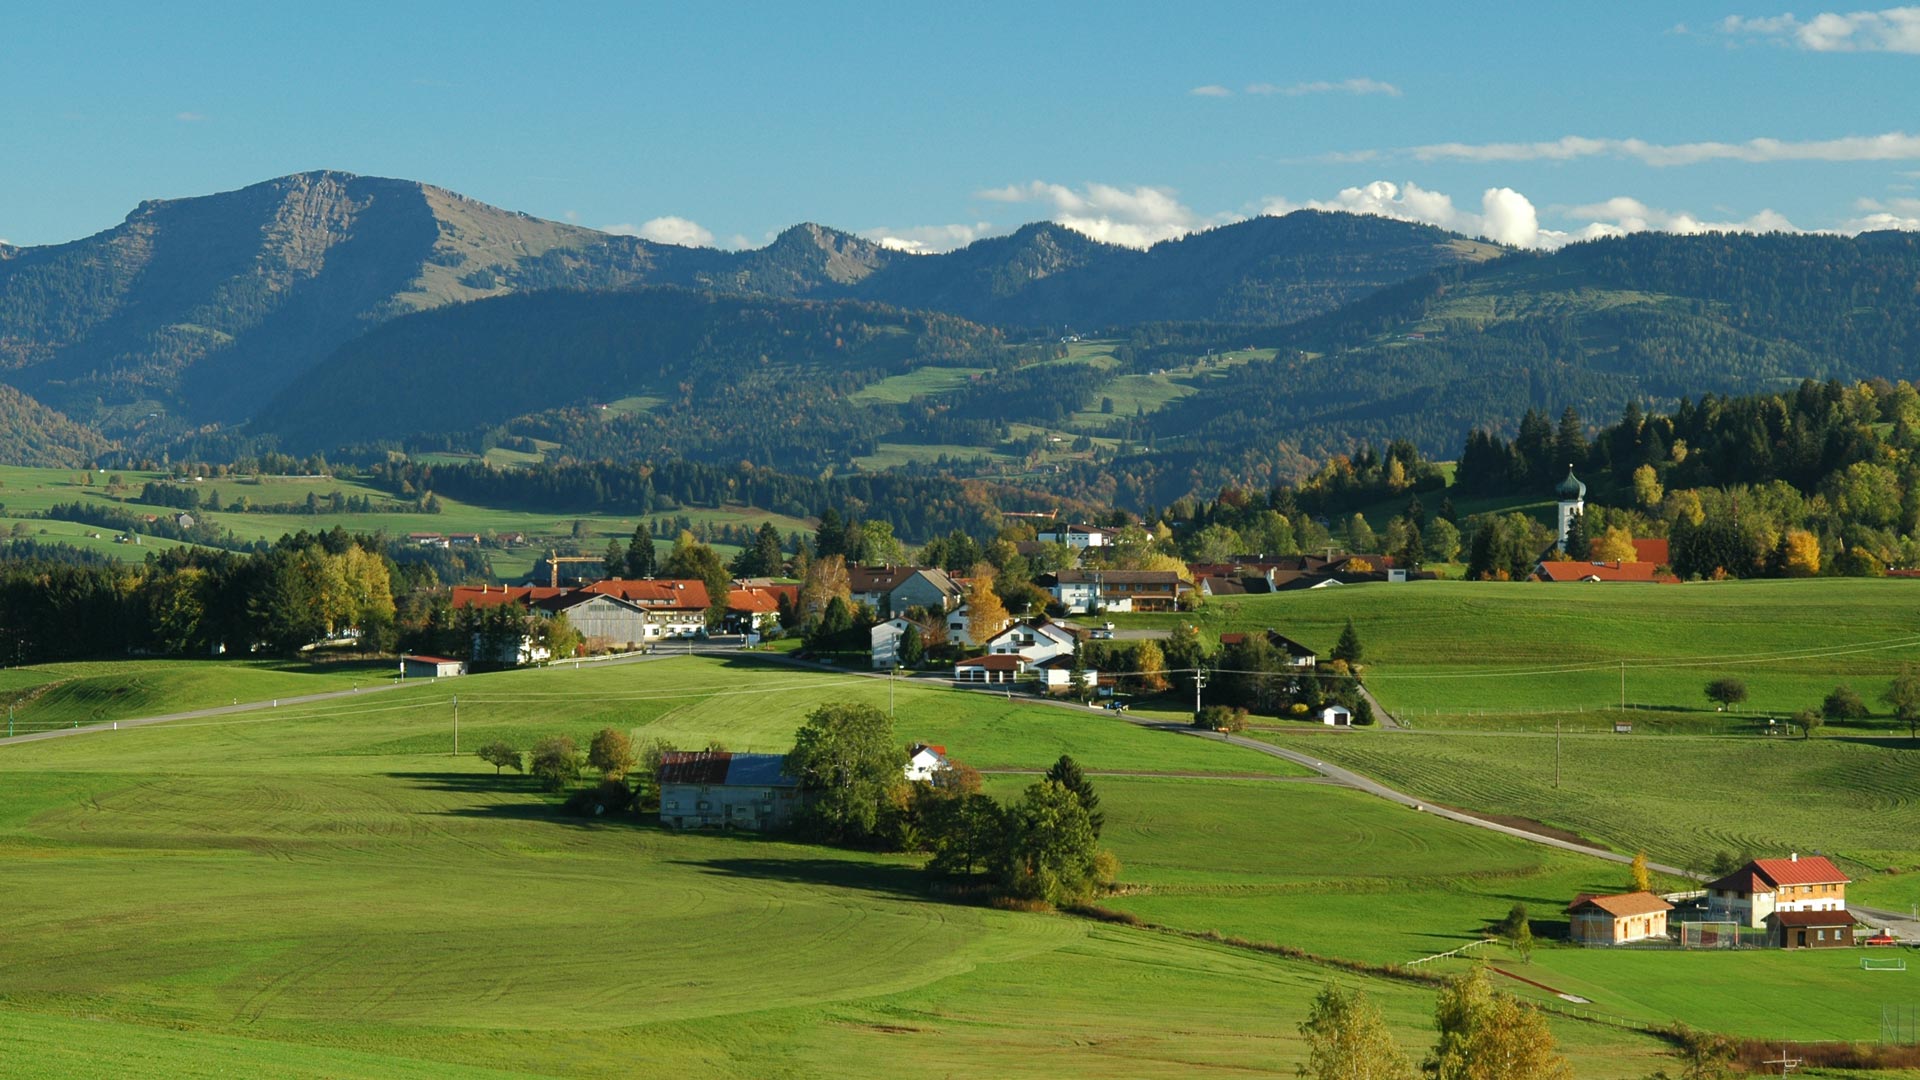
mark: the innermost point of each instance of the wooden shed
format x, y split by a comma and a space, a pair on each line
1617, 919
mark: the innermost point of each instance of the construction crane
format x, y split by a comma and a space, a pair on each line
554, 559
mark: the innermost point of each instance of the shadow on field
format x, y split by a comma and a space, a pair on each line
899, 882
509, 795
1884, 742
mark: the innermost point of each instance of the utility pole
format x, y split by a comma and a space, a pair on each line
1199, 681
9, 721
456, 725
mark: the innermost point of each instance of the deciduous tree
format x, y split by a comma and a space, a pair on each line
1347, 1039
1067, 773
611, 751
555, 762
1727, 692
1904, 695
1642, 880
845, 755
986, 615
501, 755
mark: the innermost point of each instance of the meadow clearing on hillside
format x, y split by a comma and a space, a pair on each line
327, 890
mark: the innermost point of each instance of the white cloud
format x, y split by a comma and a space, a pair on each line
1892, 146
1211, 90
1621, 215
1137, 217
1877, 214
1888, 30
928, 239
666, 230
1344, 86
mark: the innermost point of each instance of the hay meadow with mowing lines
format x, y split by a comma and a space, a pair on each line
326, 891
47, 696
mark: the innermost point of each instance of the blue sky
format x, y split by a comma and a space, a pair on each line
930, 125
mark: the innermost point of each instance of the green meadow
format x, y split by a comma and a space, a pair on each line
327, 890
47, 696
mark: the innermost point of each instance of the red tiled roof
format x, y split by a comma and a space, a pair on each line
1652, 550
1622, 905
1805, 870
694, 766
484, 596
1616, 571
655, 592
753, 601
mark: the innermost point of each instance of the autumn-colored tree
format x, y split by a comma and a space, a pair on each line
612, 753
1347, 1039
1615, 545
1642, 879
1646, 487
1513, 1042
826, 578
1803, 553
1150, 666
1457, 1013
986, 614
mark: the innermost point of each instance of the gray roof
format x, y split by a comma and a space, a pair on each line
759, 770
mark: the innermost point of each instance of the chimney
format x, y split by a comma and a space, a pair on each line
1793, 857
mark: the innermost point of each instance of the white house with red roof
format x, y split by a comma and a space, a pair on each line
924, 760
1035, 641
988, 670
1763, 887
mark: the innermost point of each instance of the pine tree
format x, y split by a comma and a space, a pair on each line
640, 561
1067, 773
615, 560
1579, 547
1349, 647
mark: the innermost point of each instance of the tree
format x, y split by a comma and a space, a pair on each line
1615, 545
1348, 648
1050, 847
611, 751
1150, 667
1458, 1012
913, 649
556, 762
501, 755
825, 580
1904, 695
1646, 487
640, 553
1727, 692
986, 614
1411, 553
693, 559
1808, 721
1802, 553
614, 562
1642, 880
1517, 931
1844, 703
1513, 1042
560, 637
1360, 535
1067, 773
1442, 540
845, 755
1347, 1039
963, 830
1578, 548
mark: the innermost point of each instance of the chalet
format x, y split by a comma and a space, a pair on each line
1297, 654
1034, 642
1078, 537
924, 760
988, 670
1617, 919
1812, 929
1764, 887
704, 789
1057, 674
676, 608
184, 520
884, 640
1081, 591
430, 667
1567, 570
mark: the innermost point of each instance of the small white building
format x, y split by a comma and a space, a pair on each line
430, 667
924, 760
1035, 642
1078, 537
1057, 674
885, 641
1336, 716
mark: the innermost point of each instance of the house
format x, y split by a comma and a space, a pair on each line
486, 596
676, 608
1057, 674
885, 641
603, 619
1617, 919
1566, 570
1035, 641
1078, 537
1082, 591
988, 670
1297, 654
751, 611
1765, 886
183, 520
463, 539
1336, 716
894, 590
1812, 929
430, 540
924, 760
705, 789
430, 667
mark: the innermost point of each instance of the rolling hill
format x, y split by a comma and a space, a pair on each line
32, 434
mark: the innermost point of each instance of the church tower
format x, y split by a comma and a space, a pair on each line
1573, 500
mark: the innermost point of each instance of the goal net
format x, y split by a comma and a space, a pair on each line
1710, 935
1884, 963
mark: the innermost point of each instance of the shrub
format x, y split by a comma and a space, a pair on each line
1221, 718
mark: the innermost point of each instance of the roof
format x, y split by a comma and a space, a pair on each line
996, 662
877, 579
1276, 639
1571, 487
483, 596
935, 748
655, 592
1600, 571
1654, 550
753, 601
1764, 875
1839, 917
430, 659
718, 767
1057, 663
1622, 905
1119, 577
1223, 586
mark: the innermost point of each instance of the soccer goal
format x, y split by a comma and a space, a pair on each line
1883, 963
1709, 935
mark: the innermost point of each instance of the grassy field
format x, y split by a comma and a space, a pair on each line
1523, 654
920, 382
91, 692
326, 891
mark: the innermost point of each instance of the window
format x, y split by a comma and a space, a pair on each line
1820, 935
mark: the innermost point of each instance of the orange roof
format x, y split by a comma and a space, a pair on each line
1600, 571
754, 601
1761, 874
1622, 905
486, 596
996, 662
654, 592
1653, 551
